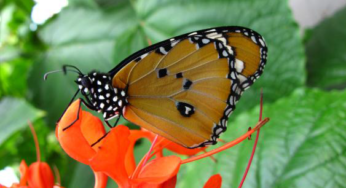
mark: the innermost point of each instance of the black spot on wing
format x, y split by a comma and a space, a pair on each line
179, 75
186, 84
162, 73
185, 109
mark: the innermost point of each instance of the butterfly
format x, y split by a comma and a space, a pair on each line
184, 88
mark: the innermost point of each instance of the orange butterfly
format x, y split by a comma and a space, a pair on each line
183, 88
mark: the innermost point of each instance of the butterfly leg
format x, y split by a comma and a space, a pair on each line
249, 138
77, 118
115, 124
74, 96
109, 125
97, 141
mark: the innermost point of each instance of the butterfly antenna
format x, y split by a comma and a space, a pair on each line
64, 68
55, 71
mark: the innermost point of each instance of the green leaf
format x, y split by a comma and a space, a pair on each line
303, 145
14, 115
86, 38
326, 53
83, 177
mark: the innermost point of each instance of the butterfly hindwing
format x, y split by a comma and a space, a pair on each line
185, 88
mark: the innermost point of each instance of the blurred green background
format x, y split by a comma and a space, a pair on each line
304, 144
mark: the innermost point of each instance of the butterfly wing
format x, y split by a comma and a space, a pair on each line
186, 87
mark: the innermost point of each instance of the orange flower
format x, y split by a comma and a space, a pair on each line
113, 155
38, 174
165, 143
109, 155
214, 182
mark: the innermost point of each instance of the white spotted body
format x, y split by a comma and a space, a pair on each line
97, 87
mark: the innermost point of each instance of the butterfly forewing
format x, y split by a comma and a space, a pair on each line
185, 88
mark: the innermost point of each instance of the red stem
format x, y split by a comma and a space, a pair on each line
145, 158
150, 150
255, 145
250, 161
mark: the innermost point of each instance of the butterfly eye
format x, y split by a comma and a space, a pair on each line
86, 82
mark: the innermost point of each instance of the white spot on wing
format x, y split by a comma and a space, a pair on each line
228, 112
187, 110
162, 50
218, 131
262, 43
214, 35
239, 65
194, 33
205, 41
254, 39
241, 78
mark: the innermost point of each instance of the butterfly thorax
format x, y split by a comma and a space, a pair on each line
104, 98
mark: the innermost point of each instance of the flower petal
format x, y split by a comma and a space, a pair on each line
110, 158
170, 183
135, 135
76, 140
214, 182
176, 148
40, 175
159, 170
100, 180
23, 168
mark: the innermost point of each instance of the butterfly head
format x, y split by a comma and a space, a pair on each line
105, 98
84, 83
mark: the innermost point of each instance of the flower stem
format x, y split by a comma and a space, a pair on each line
37, 146
250, 161
255, 145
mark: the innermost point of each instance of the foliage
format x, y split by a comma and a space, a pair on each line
301, 142
302, 146
326, 54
